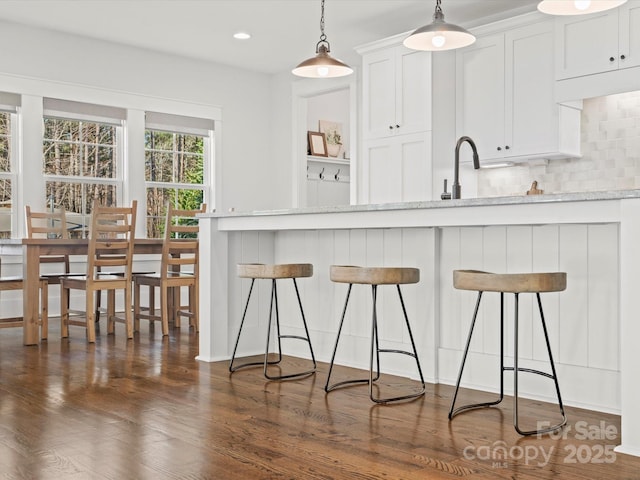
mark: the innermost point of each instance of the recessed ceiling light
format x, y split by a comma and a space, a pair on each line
242, 36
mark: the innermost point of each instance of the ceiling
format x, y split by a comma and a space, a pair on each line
284, 32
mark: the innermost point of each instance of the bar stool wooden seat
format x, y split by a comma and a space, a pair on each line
256, 271
375, 276
515, 283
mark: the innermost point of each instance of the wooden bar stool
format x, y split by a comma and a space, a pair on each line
375, 276
515, 283
256, 271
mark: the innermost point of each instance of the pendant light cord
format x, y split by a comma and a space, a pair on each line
438, 7
323, 37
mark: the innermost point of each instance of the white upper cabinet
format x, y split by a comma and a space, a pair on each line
480, 95
505, 97
397, 92
599, 42
396, 112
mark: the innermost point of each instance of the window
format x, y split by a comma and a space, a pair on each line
177, 166
81, 159
9, 104
5, 175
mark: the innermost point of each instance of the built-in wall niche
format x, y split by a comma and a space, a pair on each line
328, 177
329, 113
324, 180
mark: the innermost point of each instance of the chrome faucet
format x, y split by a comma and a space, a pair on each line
455, 188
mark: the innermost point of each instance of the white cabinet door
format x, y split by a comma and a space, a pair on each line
480, 95
413, 91
629, 25
505, 95
398, 169
378, 87
396, 92
586, 44
531, 113
599, 42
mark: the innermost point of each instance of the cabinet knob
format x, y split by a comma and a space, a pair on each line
507, 147
397, 126
390, 127
611, 59
499, 148
622, 57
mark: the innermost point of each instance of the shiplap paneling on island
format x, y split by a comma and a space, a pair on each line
583, 321
323, 300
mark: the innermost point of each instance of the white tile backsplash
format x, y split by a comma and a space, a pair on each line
610, 145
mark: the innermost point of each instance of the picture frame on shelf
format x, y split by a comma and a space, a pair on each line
317, 144
333, 135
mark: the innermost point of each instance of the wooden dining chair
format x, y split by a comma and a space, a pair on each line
49, 225
111, 241
17, 283
178, 268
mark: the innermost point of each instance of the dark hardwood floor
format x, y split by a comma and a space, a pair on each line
145, 409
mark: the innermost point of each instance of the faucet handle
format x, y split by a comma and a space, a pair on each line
445, 195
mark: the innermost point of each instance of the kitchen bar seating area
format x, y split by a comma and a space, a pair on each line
376, 235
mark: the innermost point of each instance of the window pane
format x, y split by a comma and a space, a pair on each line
173, 157
189, 168
157, 199
77, 199
61, 158
58, 129
99, 161
5, 208
76, 148
5, 142
159, 166
155, 140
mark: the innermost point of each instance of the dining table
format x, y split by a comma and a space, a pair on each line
32, 248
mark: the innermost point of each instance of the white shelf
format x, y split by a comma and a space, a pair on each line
331, 160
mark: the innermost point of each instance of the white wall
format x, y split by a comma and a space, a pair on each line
282, 141
244, 97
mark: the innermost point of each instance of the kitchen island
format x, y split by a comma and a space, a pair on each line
593, 324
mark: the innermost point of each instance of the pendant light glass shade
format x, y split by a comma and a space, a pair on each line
439, 35
577, 7
322, 65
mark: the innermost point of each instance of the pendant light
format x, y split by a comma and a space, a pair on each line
439, 35
577, 7
322, 65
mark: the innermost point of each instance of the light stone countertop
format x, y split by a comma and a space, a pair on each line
464, 202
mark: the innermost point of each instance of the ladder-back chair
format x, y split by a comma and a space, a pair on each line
49, 225
111, 241
179, 268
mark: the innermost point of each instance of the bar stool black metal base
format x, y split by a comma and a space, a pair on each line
266, 362
375, 349
515, 368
